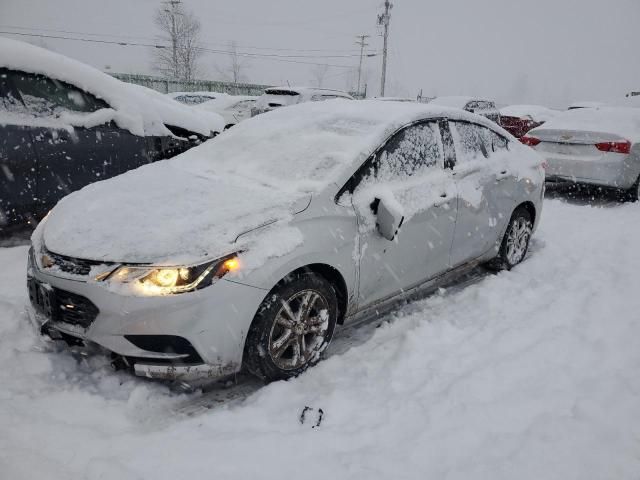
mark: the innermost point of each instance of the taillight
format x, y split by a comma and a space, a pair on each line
614, 147
531, 141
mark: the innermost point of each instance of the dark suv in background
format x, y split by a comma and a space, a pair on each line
43, 158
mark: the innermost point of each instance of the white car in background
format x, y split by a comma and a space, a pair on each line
285, 96
486, 108
595, 146
194, 98
233, 108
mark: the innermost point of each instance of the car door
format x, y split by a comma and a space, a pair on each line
408, 169
18, 161
70, 158
484, 186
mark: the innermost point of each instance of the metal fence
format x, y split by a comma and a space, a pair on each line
166, 85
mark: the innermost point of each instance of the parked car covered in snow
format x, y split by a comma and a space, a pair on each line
519, 119
285, 96
250, 250
233, 108
486, 108
194, 98
64, 125
594, 146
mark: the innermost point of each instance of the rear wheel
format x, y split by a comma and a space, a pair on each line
293, 326
515, 242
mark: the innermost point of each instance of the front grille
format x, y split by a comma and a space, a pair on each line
73, 308
72, 265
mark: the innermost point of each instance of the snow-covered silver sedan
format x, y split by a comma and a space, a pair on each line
249, 250
596, 146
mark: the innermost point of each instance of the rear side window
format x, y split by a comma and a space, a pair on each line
42, 96
472, 141
415, 150
498, 142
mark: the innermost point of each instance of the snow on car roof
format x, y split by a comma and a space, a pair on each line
307, 90
456, 101
613, 120
307, 145
138, 109
536, 112
220, 103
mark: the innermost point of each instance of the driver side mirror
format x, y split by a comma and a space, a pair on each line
389, 218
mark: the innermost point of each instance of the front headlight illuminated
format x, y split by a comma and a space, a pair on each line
148, 280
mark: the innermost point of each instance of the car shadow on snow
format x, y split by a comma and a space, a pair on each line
583, 195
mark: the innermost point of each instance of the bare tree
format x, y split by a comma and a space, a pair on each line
181, 29
235, 66
319, 72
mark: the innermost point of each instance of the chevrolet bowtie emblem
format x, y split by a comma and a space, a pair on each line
46, 261
566, 137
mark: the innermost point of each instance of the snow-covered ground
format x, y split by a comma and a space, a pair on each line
531, 373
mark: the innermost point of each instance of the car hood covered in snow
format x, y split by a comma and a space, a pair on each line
196, 204
161, 213
138, 109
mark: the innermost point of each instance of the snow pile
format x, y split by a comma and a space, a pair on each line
613, 120
527, 374
140, 110
537, 113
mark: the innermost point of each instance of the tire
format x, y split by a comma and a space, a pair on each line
282, 344
515, 243
633, 194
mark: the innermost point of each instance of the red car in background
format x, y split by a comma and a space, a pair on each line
519, 119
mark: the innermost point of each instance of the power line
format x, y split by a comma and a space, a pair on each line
250, 47
261, 56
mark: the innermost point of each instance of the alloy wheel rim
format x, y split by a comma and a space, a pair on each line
299, 330
518, 240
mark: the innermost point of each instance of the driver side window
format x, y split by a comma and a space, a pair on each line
42, 96
415, 150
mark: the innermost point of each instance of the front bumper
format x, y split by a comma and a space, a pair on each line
208, 325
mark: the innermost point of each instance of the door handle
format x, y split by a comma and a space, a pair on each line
502, 175
440, 203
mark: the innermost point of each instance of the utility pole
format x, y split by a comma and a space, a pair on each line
383, 20
174, 5
362, 44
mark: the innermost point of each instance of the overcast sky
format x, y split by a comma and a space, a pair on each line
550, 52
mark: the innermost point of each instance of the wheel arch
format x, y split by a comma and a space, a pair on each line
530, 208
331, 275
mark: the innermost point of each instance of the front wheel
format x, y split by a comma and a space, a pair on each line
293, 326
515, 242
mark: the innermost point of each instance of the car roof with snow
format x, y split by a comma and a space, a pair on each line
623, 121
224, 101
138, 109
307, 90
457, 101
535, 112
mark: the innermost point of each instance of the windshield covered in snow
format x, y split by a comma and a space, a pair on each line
303, 147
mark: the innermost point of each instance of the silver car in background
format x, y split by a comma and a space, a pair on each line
277, 97
249, 250
593, 146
